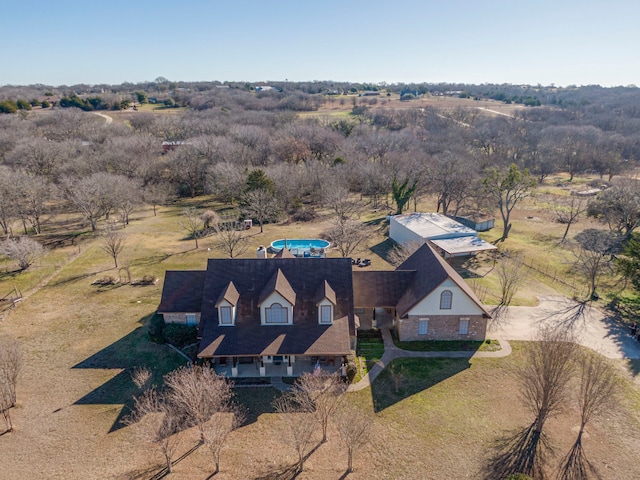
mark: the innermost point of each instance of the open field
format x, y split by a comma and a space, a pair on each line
80, 343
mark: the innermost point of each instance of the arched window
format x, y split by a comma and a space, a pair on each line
445, 300
276, 313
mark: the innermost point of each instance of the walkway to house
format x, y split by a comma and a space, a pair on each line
391, 352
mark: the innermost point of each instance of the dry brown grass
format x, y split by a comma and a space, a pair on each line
81, 341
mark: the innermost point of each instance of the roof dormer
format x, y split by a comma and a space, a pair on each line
276, 301
227, 305
326, 302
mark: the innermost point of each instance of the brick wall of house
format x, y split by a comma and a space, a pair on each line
442, 327
179, 317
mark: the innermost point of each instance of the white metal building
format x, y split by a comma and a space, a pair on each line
448, 235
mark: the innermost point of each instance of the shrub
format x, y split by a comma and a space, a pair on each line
156, 328
108, 280
180, 335
149, 280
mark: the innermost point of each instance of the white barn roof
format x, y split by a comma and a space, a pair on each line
431, 226
462, 245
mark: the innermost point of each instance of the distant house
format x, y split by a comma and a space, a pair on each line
168, 146
452, 238
280, 316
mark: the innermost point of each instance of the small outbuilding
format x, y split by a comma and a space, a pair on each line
452, 238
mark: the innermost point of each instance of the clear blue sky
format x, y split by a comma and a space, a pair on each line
472, 41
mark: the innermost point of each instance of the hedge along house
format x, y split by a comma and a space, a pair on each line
285, 315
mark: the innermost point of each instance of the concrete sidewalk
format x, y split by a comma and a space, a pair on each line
391, 352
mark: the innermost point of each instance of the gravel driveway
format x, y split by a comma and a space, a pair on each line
594, 328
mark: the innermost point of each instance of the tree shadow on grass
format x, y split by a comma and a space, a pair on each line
525, 452
131, 351
287, 472
412, 376
575, 465
256, 401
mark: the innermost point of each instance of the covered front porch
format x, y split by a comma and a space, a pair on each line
274, 365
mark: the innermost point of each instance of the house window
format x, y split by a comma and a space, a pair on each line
445, 300
464, 326
276, 313
191, 319
423, 326
325, 314
225, 316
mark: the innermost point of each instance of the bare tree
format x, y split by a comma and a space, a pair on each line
599, 391
544, 376
217, 429
141, 377
231, 240
568, 211
158, 194
319, 393
512, 276
199, 393
299, 428
112, 243
5, 406
592, 254
260, 205
10, 367
354, 428
396, 372
618, 207
156, 421
192, 223
24, 250
347, 235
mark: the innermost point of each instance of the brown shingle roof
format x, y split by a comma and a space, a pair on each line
306, 336
431, 270
230, 294
325, 291
284, 253
278, 283
182, 291
379, 288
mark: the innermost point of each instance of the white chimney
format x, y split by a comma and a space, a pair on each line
261, 252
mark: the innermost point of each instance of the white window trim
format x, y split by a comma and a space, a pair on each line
322, 305
232, 310
269, 302
423, 321
280, 308
463, 321
450, 300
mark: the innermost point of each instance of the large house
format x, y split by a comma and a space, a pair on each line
285, 312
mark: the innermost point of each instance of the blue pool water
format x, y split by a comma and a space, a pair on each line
300, 244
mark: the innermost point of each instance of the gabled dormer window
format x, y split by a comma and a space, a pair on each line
277, 300
326, 303
276, 313
226, 305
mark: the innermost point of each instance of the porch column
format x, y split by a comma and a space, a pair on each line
263, 370
289, 367
234, 367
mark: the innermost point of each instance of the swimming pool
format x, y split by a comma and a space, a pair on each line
302, 246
